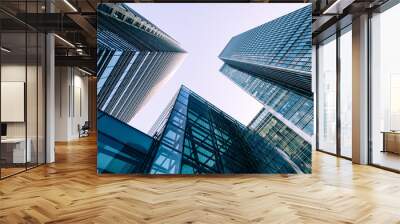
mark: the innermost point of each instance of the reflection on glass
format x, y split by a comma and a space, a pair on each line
41, 99
169, 154
31, 100
385, 88
346, 93
327, 95
22, 91
14, 153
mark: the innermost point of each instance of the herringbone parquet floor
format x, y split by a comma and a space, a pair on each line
70, 191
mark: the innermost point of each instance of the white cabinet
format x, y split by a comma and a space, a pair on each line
19, 155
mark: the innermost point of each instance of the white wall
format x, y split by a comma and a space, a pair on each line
17, 73
62, 82
71, 102
80, 111
13, 101
14, 72
33, 125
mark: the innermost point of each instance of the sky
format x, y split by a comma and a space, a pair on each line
203, 30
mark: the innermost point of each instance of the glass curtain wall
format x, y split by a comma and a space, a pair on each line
345, 92
327, 95
13, 86
335, 94
385, 89
22, 89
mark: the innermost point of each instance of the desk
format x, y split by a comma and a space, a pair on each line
391, 141
13, 150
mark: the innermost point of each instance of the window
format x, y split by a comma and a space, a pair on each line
346, 92
385, 89
22, 65
327, 95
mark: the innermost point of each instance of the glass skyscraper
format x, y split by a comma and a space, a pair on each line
272, 62
133, 57
192, 136
278, 51
120, 147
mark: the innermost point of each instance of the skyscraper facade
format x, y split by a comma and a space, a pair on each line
134, 58
195, 137
272, 62
121, 148
278, 51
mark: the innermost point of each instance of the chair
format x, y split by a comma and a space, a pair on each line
84, 130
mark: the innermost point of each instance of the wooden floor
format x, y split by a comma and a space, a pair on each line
70, 191
387, 159
11, 170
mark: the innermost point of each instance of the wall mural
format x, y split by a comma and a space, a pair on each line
261, 67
